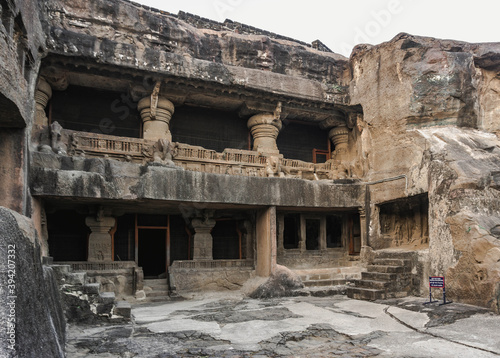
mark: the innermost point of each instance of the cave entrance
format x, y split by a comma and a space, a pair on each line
354, 234
153, 245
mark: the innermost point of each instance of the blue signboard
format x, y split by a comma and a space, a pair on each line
436, 281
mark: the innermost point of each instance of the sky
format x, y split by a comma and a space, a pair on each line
340, 25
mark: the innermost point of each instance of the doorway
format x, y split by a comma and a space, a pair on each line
152, 252
354, 234
152, 245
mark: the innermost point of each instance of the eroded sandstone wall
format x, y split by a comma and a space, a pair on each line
429, 122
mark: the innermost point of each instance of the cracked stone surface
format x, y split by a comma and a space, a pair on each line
233, 326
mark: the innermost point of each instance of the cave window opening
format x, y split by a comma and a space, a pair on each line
291, 231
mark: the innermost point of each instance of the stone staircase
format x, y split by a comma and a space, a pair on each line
84, 301
327, 281
156, 290
384, 278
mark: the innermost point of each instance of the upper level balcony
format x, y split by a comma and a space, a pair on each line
92, 123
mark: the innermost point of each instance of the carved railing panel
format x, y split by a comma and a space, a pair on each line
212, 264
119, 147
230, 161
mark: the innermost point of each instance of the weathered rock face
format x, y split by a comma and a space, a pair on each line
465, 213
33, 306
144, 39
420, 97
412, 82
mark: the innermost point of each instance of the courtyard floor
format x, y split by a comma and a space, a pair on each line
223, 325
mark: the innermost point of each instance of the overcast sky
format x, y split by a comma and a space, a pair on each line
342, 24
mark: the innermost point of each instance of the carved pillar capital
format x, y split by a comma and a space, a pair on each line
202, 240
100, 242
265, 128
339, 136
156, 112
43, 93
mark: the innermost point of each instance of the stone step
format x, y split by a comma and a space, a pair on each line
158, 298
326, 282
162, 282
107, 297
378, 276
123, 309
321, 291
367, 294
378, 285
92, 288
335, 273
76, 278
385, 269
392, 262
157, 293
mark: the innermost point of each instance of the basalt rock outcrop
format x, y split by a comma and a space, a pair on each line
30, 301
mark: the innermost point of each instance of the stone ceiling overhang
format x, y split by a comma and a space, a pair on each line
249, 92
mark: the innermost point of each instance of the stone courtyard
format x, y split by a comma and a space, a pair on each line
221, 325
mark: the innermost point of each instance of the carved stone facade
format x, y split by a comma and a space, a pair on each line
191, 149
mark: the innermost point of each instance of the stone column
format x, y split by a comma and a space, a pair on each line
362, 223
156, 112
100, 241
202, 239
265, 128
43, 93
339, 137
266, 242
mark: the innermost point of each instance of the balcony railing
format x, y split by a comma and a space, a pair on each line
118, 147
195, 158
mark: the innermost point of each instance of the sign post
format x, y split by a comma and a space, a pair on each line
437, 282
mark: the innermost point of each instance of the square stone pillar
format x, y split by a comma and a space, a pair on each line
362, 224
202, 239
266, 242
100, 240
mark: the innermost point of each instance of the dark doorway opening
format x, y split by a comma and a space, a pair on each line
68, 236
312, 234
226, 240
152, 252
354, 232
180, 239
291, 231
333, 231
124, 238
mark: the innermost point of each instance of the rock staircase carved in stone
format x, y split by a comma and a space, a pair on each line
384, 278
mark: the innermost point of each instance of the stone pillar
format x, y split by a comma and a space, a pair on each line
266, 242
362, 223
339, 137
43, 93
156, 113
202, 239
265, 128
100, 241
322, 234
